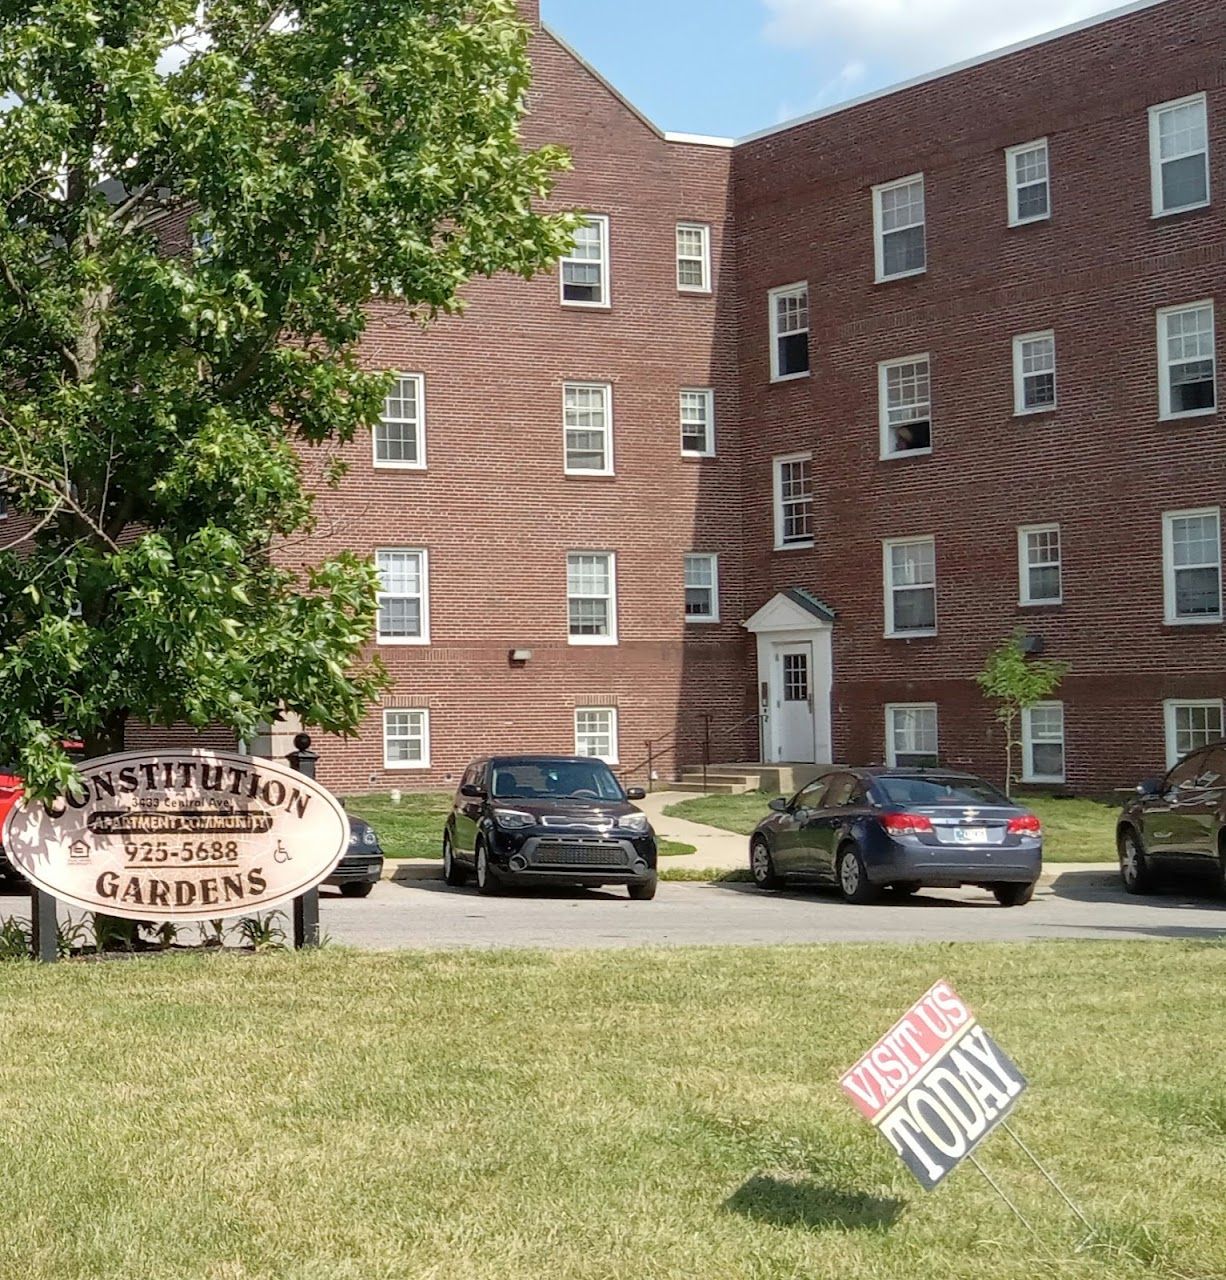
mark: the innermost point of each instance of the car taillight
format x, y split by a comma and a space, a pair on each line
906, 824
1027, 825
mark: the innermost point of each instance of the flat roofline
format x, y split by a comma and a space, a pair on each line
1136, 6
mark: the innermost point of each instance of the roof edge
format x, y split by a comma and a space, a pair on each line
1111, 15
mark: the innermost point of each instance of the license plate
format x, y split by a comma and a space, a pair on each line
971, 835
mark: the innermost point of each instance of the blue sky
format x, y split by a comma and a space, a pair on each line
729, 67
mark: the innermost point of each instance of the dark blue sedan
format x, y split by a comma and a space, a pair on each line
867, 830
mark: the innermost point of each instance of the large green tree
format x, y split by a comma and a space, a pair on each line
198, 200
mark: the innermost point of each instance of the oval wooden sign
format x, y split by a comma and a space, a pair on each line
180, 835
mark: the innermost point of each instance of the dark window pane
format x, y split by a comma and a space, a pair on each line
904, 251
698, 602
1045, 583
912, 435
1048, 761
1184, 182
1040, 390
1032, 201
793, 354
915, 609
1193, 386
1197, 593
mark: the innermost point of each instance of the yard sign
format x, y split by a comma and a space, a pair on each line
935, 1085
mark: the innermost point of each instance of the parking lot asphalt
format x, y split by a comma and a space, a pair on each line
425, 914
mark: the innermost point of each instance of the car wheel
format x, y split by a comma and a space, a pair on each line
853, 879
357, 890
1013, 895
1135, 870
905, 888
453, 874
644, 891
488, 882
762, 865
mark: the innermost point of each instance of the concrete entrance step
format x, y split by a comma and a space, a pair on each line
776, 779
695, 787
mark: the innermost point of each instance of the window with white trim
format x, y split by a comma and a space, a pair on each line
585, 270
693, 257
1179, 155
789, 327
701, 587
596, 733
911, 735
406, 739
1187, 360
793, 501
1039, 567
404, 611
1043, 742
591, 597
1192, 565
400, 436
587, 410
905, 406
1027, 170
1190, 725
1034, 372
910, 587
698, 422
899, 228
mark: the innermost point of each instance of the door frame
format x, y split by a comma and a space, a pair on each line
780, 624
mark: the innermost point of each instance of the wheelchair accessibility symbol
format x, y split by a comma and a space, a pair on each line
281, 853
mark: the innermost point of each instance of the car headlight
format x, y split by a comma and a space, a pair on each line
513, 819
636, 822
371, 838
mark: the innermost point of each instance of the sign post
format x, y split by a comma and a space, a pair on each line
306, 908
44, 927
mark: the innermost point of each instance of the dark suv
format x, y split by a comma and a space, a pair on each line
1177, 823
557, 820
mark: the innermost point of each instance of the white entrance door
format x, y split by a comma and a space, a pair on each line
795, 737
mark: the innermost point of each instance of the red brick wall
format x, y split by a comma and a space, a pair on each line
1102, 465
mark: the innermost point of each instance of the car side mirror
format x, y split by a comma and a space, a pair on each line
472, 792
636, 793
780, 804
1151, 787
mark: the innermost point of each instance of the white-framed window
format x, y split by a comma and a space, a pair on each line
701, 587
1038, 564
1179, 155
1034, 372
1187, 360
596, 733
406, 739
905, 406
587, 411
789, 326
400, 437
793, 501
910, 586
693, 257
1043, 742
911, 735
1027, 172
1192, 565
1190, 725
591, 597
404, 600
698, 422
899, 228
585, 270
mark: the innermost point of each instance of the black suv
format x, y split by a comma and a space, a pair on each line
1177, 823
557, 820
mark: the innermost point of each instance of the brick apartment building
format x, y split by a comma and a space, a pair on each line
811, 422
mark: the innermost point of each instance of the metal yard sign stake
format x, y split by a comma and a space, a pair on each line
1017, 1213
1059, 1190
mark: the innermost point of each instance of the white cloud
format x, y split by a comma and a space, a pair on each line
918, 35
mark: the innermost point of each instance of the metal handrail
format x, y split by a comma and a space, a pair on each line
652, 744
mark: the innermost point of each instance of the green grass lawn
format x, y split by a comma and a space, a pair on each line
414, 827
668, 1115
1074, 830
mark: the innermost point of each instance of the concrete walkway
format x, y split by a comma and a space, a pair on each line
724, 850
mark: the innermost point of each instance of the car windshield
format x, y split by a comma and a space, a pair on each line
555, 780
939, 790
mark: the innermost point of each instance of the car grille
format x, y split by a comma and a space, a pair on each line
556, 852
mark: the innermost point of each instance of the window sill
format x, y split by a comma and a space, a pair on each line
904, 454
1036, 412
1159, 214
693, 456
405, 642
589, 475
400, 466
788, 377
1016, 224
591, 642
587, 306
901, 275
1190, 413
701, 622
910, 635
695, 293
795, 546
1039, 781
1194, 622
1040, 604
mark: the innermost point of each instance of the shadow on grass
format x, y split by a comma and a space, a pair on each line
798, 1203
